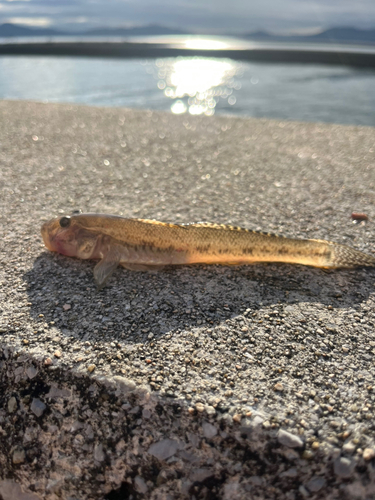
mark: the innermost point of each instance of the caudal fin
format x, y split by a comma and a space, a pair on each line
344, 256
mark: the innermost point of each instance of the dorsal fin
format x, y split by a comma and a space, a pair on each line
215, 226
158, 223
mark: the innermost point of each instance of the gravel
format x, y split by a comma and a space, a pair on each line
229, 381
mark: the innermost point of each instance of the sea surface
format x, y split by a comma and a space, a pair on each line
197, 85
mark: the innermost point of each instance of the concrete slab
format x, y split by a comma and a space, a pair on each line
196, 382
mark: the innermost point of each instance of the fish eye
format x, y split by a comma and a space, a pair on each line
65, 222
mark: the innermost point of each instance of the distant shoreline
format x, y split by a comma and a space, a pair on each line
359, 56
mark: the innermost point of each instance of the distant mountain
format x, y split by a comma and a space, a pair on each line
344, 34
152, 29
14, 30
8, 29
331, 35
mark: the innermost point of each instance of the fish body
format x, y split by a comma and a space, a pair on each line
142, 244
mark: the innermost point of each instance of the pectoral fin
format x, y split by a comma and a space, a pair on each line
104, 269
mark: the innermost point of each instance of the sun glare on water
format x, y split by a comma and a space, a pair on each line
197, 83
205, 44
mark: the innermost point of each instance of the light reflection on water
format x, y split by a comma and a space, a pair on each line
195, 84
304, 92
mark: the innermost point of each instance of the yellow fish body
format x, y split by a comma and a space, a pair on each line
141, 244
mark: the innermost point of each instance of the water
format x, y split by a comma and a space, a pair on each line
197, 85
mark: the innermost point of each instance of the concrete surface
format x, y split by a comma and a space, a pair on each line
199, 382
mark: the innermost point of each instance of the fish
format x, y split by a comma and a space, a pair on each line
150, 245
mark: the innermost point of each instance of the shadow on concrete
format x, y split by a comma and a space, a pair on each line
134, 305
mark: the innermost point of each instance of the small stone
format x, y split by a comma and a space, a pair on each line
278, 387
209, 430
290, 454
303, 491
12, 405
48, 362
140, 485
199, 475
57, 354
335, 424
315, 484
307, 455
164, 449
31, 372
18, 456
10, 490
368, 453
288, 439
257, 422
237, 417
343, 467
315, 445
91, 368
199, 407
99, 453
349, 447
210, 410
66, 307
292, 472
146, 413
37, 407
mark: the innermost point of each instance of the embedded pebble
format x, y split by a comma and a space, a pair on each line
99, 452
12, 405
31, 372
368, 453
209, 430
18, 456
163, 449
37, 407
349, 447
288, 439
343, 467
140, 485
199, 407
315, 484
10, 490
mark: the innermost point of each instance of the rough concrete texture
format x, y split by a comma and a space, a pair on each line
202, 382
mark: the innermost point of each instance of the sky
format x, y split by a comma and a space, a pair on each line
203, 16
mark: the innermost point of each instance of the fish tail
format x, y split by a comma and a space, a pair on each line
344, 256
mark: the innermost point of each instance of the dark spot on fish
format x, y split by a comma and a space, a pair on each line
203, 248
247, 251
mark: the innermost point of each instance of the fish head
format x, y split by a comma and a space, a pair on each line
60, 235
